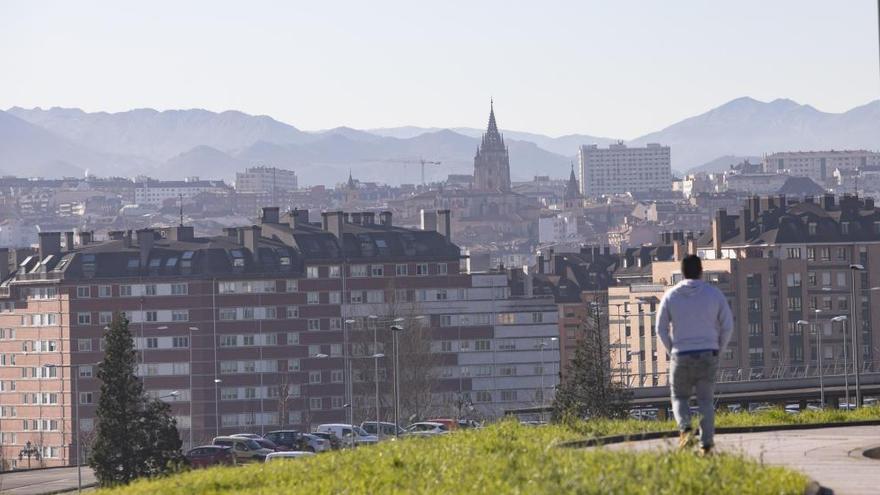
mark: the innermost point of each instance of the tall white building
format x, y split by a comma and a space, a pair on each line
155, 192
620, 169
819, 165
265, 180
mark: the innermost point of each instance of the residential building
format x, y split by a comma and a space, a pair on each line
265, 180
818, 165
155, 192
620, 169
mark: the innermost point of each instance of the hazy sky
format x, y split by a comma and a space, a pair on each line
616, 68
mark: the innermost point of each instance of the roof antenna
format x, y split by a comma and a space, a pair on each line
180, 201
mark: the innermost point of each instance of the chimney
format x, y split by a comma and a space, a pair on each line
540, 263
68, 241
597, 251
300, 217
50, 243
691, 246
444, 224
332, 222
4, 263
718, 229
145, 238
252, 240
528, 284
182, 233
269, 215
745, 223
85, 238
676, 251
368, 218
385, 218
428, 220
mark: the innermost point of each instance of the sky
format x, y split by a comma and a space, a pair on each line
607, 68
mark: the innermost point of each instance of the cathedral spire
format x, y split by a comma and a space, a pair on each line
493, 128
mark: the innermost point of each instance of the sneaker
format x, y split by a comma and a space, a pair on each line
686, 439
706, 450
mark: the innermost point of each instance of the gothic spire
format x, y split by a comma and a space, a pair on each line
493, 128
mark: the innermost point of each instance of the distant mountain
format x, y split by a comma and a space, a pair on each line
723, 163
179, 143
28, 150
159, 136
746, 126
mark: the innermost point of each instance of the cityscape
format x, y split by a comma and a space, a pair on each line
351, 287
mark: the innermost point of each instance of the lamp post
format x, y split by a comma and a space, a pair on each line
806, 323
542, 345
855, 267
192, 395
396, 329
373, 318
346, 352
217, 383
29, 450
842, 319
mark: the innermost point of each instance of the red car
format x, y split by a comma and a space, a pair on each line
210, 455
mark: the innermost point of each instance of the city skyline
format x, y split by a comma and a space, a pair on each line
430, 66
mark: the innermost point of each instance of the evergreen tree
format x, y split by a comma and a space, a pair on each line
588, 390
134, 436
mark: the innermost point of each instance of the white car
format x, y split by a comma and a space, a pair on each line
426, 428
277, 456
348, 434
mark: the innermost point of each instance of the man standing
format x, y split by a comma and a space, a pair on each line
701, 329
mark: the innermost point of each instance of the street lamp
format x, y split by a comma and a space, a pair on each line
376, 358
806, 323
855, 267
542, 345
191, 393
217, 383
842, 319
395, 332
346, 353
373, 318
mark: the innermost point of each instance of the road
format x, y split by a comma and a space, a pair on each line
41, 481
831, 456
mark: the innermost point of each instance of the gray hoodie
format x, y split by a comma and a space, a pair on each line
700, 317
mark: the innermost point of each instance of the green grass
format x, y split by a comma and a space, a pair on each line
504, 458
601, 428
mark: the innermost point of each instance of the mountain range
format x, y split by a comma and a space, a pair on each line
181, 143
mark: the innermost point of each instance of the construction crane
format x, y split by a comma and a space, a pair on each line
420, 161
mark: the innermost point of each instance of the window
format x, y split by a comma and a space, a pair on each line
291, 285
335, 297
228, 340
446, 346
508, 395
840, 253
335, 271
841, 279
313, 298
483, 396
537, 317
84, 345
445, 320
377, 271
335, 323
152, 343
293, 311
228, 314
316, 403
422, 269
793, 280
85, 371
314, 377
337, 402
755, 329
150, 290
312, 272
442, 268
83, 292
507, 371
358, 271
337, 376
179, 289
825, 253
105, 291
84, 318
105, 317
151, 316
180, 315
180, 342
793, 253
811, 279
482, 345
401, 270
754, 305
293, 365
85, 397
314, 324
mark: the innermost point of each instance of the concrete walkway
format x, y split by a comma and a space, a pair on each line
831, 456
41, 481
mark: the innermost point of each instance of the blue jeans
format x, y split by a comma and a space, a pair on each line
689, 373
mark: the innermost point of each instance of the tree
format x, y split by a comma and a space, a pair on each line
134, 435
588, 390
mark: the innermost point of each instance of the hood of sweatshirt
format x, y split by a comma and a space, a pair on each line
690, 287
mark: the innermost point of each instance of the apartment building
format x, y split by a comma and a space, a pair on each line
265, 180
620, 169
156, 192
247, 331
819, 165
780, 261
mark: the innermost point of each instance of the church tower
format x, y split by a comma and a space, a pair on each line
492, 162
572, 198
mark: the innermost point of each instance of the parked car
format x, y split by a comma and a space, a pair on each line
348, 434
451, 424
244, 449
292, 454
264, 442
426, 428
294, 440
385, 428
210, 455
332, 442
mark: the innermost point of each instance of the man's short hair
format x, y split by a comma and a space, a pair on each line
692, 267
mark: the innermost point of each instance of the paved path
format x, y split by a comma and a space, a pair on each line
42, 481
831, 456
